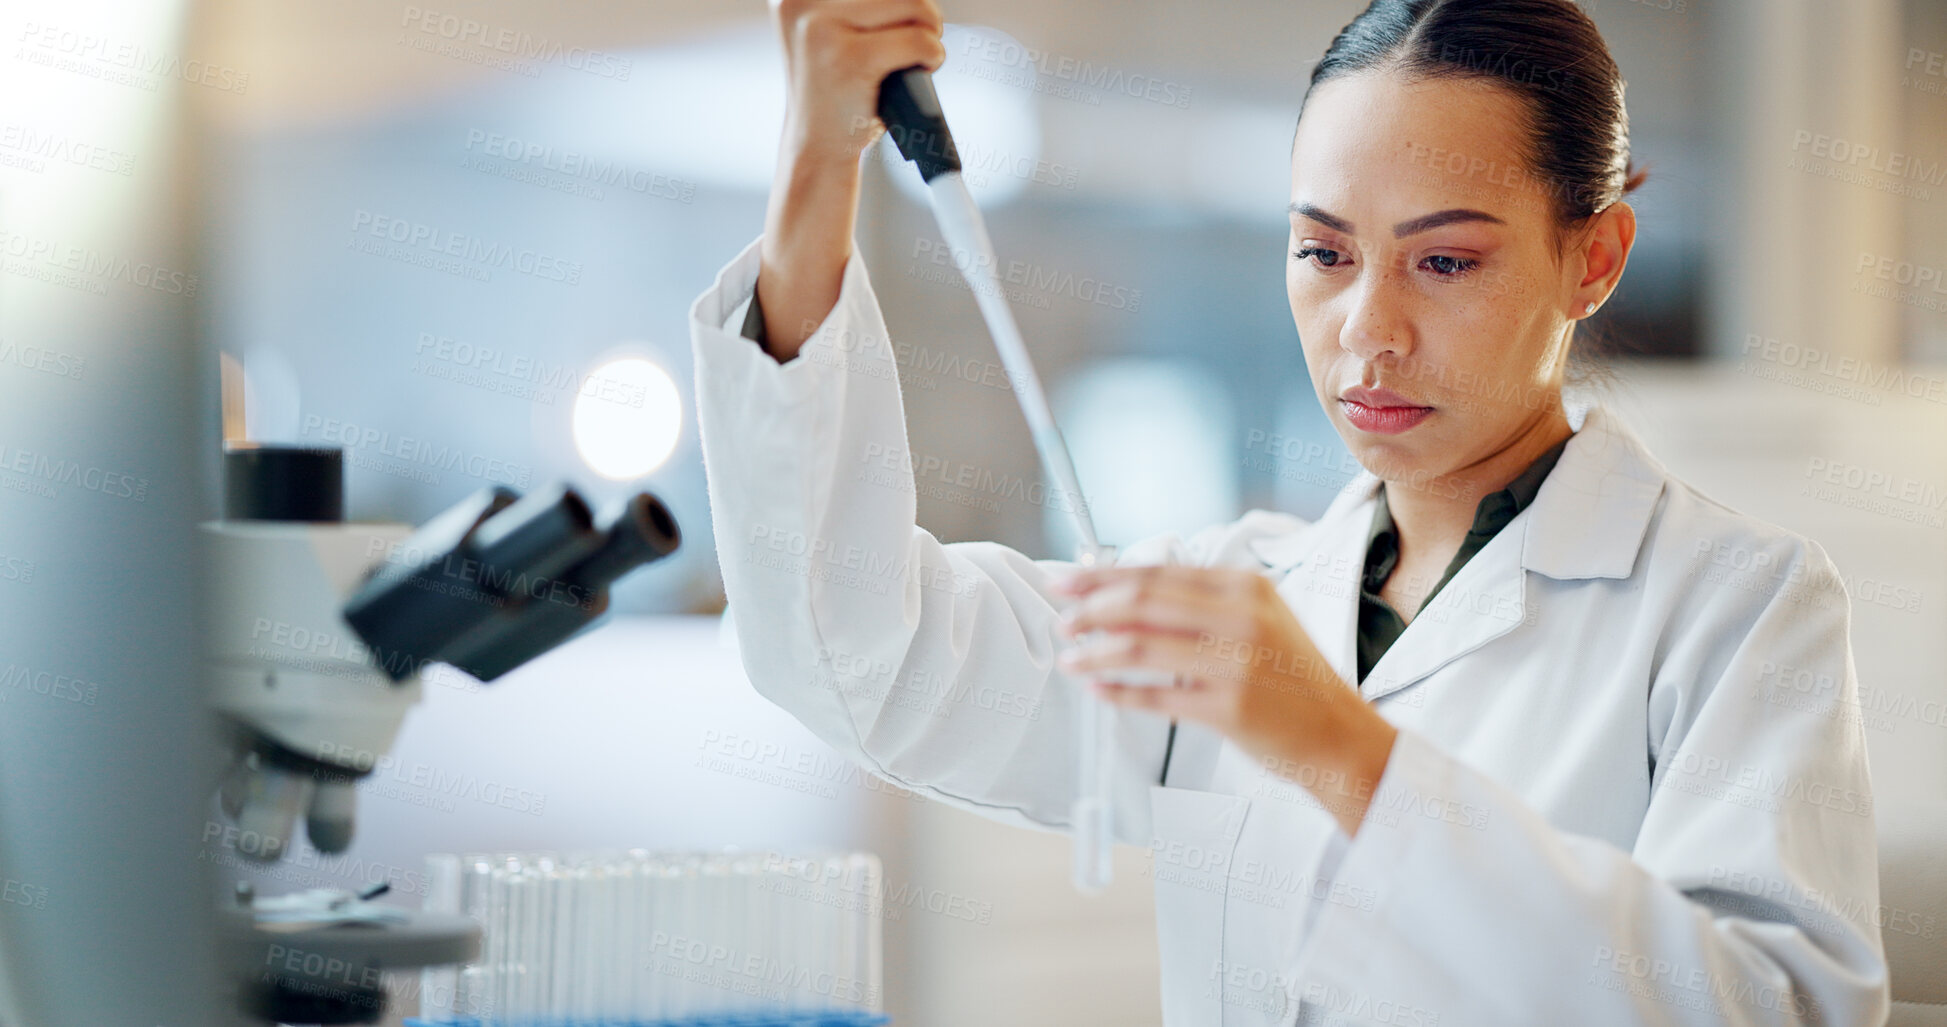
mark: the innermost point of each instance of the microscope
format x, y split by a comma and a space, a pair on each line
318, 631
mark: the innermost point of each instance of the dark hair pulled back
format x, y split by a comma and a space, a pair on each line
1547, 52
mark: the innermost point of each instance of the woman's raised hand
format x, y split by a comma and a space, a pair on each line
1244, 666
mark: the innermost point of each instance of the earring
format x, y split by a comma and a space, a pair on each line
1590, 309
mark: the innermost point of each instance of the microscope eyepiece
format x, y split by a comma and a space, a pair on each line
643, 531
498, 579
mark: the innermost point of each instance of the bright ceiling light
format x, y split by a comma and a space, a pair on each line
627, 417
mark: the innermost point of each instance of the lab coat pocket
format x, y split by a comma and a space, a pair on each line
1276, 882
1194, 835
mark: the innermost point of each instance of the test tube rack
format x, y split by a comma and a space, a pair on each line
659, 939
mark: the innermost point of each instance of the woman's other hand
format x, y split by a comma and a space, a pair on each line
1244, 667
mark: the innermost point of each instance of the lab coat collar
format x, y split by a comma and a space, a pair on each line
1588, 520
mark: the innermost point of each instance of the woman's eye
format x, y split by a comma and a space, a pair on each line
1449, 267
1326, 258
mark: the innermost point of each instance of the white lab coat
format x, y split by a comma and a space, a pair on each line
1627, 788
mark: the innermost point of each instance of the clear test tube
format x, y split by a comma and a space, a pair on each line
869, 874
752, 966
643, 990
844, 929
501, 924
792, 881
541, 948
573, 996
652, 985
777, 917
814, 942
473, 997
443, 873
790, 916
811, 945
673, 879
778, 912
690, 996
572, 999
749, 962
438, 985
1092, 820
617, 958
618, 987
520, 936
567, 910
547, 965
726, 915
720, 926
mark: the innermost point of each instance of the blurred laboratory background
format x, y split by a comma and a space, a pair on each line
460, 240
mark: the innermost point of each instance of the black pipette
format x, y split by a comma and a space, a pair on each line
911, 110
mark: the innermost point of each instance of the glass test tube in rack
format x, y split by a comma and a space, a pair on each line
660, 939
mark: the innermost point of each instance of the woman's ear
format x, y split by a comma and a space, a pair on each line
1605, 249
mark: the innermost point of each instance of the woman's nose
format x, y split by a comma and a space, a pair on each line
1377, 323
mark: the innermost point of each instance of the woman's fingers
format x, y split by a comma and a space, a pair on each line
880, 14
1189, 600
1191, 699
1135, 650
861, 14
906, 46
1207, 688
1131, 607
1083, 580
838, 52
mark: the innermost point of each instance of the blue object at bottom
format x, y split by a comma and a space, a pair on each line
830, 1018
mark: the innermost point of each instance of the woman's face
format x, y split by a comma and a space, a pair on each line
1423, 273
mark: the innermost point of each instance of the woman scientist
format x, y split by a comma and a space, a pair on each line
1516, 732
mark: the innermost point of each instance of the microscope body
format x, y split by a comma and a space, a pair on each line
310, 708
317, 632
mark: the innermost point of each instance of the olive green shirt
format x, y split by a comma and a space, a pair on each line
754, 320
1379, 624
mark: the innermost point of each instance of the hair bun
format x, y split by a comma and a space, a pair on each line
1632, 178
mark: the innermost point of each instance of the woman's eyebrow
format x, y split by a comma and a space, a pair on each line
1331, 221
1443, 217
1436, 219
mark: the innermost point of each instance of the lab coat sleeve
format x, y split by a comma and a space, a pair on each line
931, 664
1750, 896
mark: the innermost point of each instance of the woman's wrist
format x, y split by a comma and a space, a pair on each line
804, 146
814, 198
808, 229
1350, 755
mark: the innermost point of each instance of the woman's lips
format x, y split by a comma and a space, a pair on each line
1382, 420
